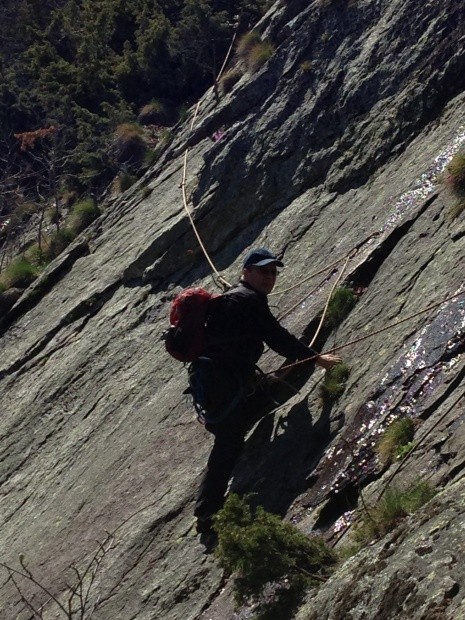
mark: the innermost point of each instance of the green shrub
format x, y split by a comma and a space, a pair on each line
229, 79
334, 382
36, 254
395, 505
397, 435
18, 274
341, 303
261, 549
81, 215
56, 243
404, 450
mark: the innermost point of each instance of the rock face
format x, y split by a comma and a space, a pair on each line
335, 164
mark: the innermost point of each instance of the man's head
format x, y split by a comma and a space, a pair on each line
259, 270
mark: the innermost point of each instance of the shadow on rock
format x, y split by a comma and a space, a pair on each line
278, 460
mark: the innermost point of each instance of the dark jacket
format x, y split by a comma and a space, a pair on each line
239, 324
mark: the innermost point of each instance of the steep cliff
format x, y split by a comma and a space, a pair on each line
331, 151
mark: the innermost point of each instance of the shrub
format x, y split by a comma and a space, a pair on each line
19, 273
261, 550
258, 55
253, 51
395, 505
341, 303
130, 145
81, 215
334, 383
397, 435
153, 113
229, 80
404, 450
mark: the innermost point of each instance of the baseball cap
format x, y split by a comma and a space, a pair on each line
261, 257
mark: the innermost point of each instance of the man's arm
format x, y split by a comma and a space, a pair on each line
286, 344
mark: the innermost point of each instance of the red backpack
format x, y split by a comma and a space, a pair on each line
185, 336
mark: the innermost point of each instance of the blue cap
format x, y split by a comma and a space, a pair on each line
261, 257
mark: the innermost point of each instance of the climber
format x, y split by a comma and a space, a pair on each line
223, 379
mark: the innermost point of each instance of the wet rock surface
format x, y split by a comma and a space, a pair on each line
339, 162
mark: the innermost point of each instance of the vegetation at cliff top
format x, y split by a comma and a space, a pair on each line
84, 68
87, 92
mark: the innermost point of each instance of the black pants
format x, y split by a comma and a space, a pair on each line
229, 432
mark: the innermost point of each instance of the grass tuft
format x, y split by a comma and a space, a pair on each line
81, 215
334, 382
341, 303
247, 42
395, 505
252, 51
454, 176
306, 66
18, 274
258, 56
229, 80
154, 113
395, 438
130, 146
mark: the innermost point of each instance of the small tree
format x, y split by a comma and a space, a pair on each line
262, 551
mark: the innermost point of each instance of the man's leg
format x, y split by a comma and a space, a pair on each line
225, 452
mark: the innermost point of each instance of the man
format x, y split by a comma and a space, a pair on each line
222, 379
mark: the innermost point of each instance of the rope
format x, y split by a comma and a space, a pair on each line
378, 331
224, 283
236, 25
323, 316
317, 273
